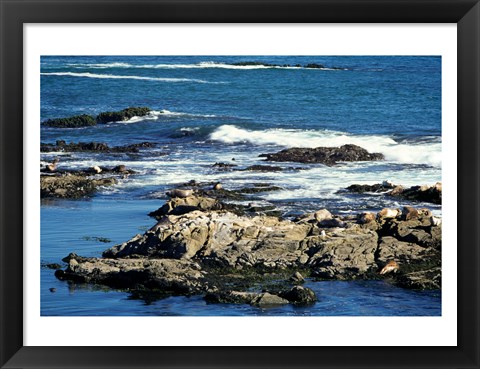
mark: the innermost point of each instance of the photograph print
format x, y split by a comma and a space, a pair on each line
241, 185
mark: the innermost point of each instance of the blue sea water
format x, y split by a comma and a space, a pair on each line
208, 110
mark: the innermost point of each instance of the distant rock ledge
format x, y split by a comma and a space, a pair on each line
85, 120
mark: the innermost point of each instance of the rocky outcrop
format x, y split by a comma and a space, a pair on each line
224, 255
122, 115
62, 146
167, 275
71, 186
297, 295
425, 193
85, 120
323, 155
270, 65
76, 121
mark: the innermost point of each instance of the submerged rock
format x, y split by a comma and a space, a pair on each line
324, 155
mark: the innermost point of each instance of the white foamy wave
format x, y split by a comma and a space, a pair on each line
201, 65
112, 76
99, 65
157, 114
412, 153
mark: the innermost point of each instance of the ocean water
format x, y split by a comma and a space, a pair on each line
208, 110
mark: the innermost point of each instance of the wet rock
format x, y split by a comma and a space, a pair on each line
430, 279
122, 115
263, 168
300, 295
174, 276
252, 298
76, 121
425, 193
324, 155
432, 194
362, 188
314, 66
62, 146
223, 166
71, 186
266, 299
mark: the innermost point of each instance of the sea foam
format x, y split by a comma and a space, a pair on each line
428, 153
201, 65
113, 76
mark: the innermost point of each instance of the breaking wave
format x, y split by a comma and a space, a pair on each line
427, 152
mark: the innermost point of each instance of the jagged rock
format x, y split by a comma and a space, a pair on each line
228, 247
425, 193
324, 155
430, 279
175, 276
348, 255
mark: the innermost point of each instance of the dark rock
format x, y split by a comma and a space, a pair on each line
62, 146
72, 122
54, 266
314, 66
324, 155
430, 279
376, 188
263, 168
223, 166
122, 115
432, 194
71, 186
299, 295
52, 290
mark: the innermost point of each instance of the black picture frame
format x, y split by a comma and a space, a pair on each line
14, 13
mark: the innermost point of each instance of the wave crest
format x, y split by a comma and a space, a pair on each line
429, 153
113, 76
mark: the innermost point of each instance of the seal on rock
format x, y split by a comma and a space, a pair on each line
387, 213
52, 166
180, 193
391, 266
322, 214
